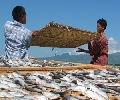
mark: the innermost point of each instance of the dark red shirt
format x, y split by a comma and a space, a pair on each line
99, 51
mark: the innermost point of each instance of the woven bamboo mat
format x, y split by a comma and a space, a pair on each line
62, 36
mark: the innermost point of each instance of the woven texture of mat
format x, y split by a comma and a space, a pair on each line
62, 36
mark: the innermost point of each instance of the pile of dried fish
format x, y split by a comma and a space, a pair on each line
92, 84
33, 63
20, 63
62, 36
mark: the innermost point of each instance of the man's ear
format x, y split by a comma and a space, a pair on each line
22, 17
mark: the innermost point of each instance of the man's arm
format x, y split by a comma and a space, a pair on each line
29, 35
35, 32
82, 50
89, 45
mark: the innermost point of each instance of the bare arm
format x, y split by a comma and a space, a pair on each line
89, 45
35, 32
82, 50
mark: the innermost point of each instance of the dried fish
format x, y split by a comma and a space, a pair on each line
4, 86
10, 84
19, 90
33, 89
41, 74
16, 94
62, 92
96, 72
18, 98
79, 88
36, 97
90, 83
40, 97
52, 85
11, 76
107, 90
17, 75
20, 82
100, 92
66, 78
51, 95
40, 87
30, 82
73, 98
112, 84
20, 73
117, 89
94, 95
5, 94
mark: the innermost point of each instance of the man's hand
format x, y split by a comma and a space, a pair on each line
35, 32
80, 50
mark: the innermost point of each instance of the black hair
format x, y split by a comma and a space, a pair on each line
18, 12
102, 22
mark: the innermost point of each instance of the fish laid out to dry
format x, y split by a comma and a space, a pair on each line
92, 84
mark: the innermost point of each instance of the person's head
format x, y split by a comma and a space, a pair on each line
19, 14
101, 25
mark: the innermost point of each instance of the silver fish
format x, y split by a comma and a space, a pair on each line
41, 74
19, 90
19, 98
63, 84
62, 92
70, 98
16, 94
51, 95
118, 96
102, 93
79, 88
4, 76
94, 95
10, 75
40, 87
33, 89
112, 84
53, 85
109, 91
2, 94
4, 86
5, 94
29, 97
20, 73
102, 73
67, 83
20, 82
37, 79
73, 98
5, 79
30, 82
66, 78
16, 75
102, 81
10, 84
40, 97
36, 97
